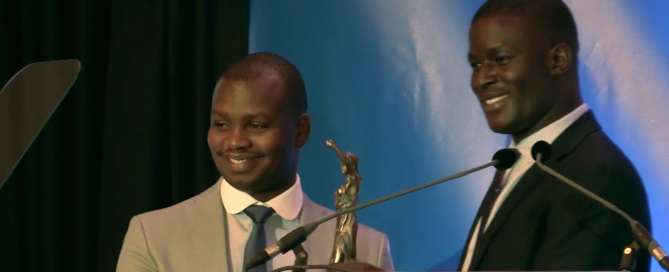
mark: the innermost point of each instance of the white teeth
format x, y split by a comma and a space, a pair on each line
496, 99
238, 161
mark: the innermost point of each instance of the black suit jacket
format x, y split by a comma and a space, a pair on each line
544, 224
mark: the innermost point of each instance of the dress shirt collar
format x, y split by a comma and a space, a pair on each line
288, 204
552, 131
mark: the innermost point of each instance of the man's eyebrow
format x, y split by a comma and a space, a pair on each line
496, 49
251, 115
218, 112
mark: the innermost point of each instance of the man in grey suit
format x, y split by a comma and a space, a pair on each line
258, 125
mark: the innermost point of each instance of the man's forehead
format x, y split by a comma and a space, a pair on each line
528, 24
247, 106
270, 85
267, 95
495, 31
497, 23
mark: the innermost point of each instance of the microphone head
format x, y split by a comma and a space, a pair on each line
506, 158
543, 148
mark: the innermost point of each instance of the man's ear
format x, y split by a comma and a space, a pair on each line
560, 59
303, 129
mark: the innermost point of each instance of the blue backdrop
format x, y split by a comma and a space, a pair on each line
389, 81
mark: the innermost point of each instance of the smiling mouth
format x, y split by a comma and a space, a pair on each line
242, 160
496, 99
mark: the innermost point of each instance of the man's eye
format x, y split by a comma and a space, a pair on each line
257, 126
474, 65
219, 124
502, 60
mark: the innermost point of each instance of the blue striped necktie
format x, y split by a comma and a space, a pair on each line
257, 240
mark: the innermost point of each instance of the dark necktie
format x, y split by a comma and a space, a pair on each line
257, 240
489, 200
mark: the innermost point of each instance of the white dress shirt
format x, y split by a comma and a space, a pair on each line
287, 207
515, 173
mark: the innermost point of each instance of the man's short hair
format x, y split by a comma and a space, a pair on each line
260, 64
552, 16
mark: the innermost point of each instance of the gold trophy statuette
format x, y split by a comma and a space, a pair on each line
344, 249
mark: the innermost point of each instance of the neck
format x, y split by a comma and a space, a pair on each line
558, 111
268, 195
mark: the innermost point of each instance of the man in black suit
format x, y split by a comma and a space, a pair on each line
524, 59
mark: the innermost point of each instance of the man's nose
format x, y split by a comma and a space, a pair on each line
238, 139
485, 76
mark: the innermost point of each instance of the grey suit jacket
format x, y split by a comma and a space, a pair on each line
190, 236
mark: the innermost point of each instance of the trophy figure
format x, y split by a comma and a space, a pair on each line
344, 249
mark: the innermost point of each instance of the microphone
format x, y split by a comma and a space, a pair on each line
502, 160
541, 152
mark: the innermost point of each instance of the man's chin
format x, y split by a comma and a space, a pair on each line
244, 183
500, 127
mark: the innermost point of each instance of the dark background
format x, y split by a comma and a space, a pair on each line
129, 137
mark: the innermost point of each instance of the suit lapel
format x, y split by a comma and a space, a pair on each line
207, 229
524, 186
569, 140
563, 145
472, 229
